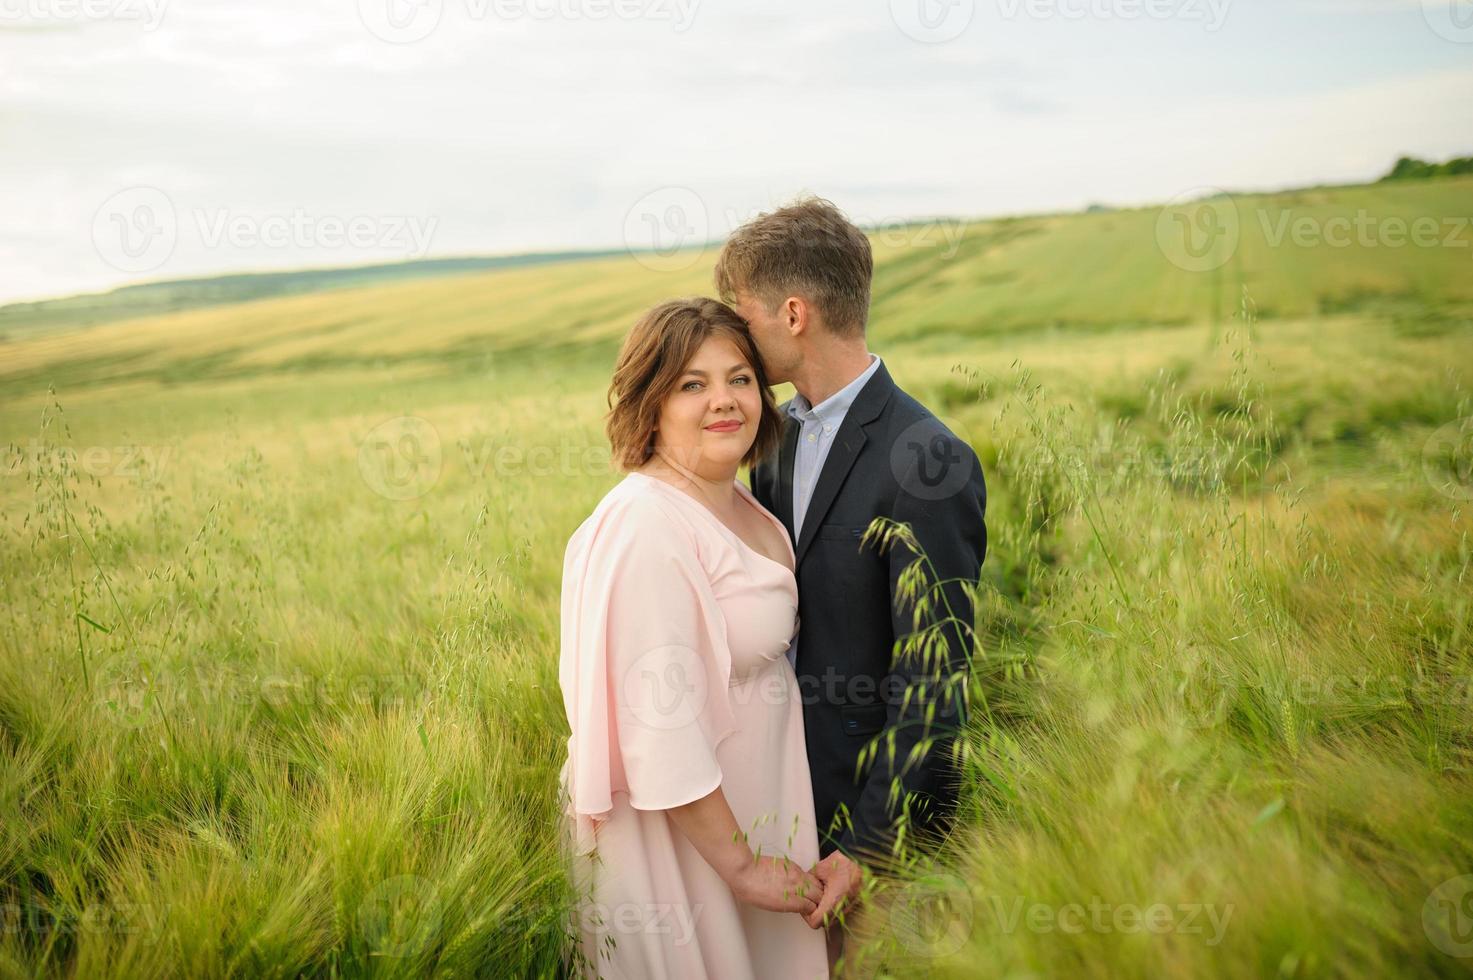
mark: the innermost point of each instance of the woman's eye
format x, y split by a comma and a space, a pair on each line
688, 386
742, 378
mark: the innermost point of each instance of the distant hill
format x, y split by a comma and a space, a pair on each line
171, 296
1392, 250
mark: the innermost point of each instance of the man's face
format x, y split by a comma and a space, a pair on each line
770, 332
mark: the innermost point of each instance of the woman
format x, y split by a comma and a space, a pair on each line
688, 801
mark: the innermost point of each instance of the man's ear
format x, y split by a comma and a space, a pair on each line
797, 314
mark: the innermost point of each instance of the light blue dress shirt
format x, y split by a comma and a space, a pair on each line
820, 423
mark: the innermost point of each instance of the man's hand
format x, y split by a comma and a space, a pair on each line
842, 879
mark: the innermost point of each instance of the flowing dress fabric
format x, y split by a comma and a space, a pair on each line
675, 682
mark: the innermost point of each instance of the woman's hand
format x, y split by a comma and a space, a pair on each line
772, 883
776, 884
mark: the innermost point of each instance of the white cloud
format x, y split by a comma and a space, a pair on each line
531, 132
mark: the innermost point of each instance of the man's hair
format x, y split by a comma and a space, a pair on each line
807, 249
652, 360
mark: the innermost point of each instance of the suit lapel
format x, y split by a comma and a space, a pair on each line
785, 461
848, 441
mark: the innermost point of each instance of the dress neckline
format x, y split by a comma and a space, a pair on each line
746, 495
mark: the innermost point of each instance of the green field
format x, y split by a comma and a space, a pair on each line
278, 685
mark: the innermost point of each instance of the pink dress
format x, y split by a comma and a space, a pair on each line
675, 682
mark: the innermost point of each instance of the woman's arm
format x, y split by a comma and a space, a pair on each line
769, 882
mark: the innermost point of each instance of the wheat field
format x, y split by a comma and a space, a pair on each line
278, 688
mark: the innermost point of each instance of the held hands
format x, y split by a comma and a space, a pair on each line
842, 879
819, 894
779, 885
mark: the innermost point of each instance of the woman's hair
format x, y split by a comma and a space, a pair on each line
652, 360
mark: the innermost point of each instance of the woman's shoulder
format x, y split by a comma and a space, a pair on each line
635, 510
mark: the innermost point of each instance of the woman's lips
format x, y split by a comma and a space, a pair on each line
724, 426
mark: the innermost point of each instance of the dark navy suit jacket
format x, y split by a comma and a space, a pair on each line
890, 457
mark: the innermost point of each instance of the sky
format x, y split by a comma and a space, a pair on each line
160, 139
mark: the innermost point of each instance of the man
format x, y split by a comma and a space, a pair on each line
856, 447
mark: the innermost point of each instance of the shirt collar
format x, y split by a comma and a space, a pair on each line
836, 406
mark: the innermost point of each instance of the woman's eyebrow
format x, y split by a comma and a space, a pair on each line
743, 366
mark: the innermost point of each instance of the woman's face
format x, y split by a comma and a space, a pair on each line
709, 421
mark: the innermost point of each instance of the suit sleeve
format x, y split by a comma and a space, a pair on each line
946, 517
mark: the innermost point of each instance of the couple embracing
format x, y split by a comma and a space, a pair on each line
728, 653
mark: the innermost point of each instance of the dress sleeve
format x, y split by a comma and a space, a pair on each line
644, 664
